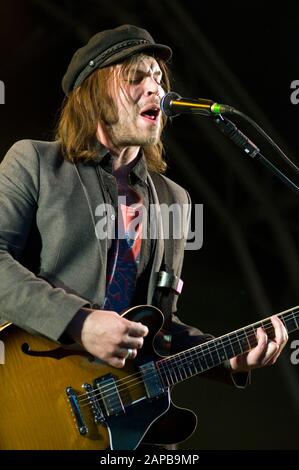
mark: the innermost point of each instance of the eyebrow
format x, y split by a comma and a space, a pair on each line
134, 71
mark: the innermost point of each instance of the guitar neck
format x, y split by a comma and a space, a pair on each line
184, 365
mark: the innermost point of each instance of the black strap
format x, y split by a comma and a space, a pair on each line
167, 283
164, 196
167, 278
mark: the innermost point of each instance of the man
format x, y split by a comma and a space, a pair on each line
62, 275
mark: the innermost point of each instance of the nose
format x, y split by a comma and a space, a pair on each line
151, 87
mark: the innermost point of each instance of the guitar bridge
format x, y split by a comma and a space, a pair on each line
73, 399
94, 403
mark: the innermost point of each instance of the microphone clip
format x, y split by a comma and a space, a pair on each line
229, 129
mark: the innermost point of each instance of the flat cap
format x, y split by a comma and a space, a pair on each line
110, 47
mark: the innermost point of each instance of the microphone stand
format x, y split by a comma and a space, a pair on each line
229, 129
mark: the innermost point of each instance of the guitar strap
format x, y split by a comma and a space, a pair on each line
168, 283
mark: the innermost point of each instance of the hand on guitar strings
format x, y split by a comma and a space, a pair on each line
107, 335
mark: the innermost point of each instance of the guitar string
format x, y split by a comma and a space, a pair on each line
173, 359
165, 373
127, 381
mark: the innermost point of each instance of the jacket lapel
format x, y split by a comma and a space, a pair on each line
92, 192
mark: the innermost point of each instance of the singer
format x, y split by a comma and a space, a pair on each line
80, 294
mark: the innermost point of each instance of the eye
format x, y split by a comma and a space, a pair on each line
134, 81
134, 78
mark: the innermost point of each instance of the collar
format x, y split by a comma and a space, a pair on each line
137, 173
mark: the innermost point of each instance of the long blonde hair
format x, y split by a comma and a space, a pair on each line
90, 104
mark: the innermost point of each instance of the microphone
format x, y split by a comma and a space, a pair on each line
173, 104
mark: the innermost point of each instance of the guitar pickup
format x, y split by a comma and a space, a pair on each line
109, 394
151, 379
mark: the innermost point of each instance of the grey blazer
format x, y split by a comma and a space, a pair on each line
51, 262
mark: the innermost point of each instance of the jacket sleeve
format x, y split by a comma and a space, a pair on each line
25, 299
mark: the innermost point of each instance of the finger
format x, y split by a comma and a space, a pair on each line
132, 342
274, 358
281, 335
276, 346
127, 353
271, 353
118, 362
137, 329
262, 342
257, 354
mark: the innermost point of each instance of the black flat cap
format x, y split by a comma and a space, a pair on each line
110, 47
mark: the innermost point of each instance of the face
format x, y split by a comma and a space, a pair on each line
137, 92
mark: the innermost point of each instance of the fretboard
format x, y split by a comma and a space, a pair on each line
203, 357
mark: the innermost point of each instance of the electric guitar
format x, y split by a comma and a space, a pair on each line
59, 397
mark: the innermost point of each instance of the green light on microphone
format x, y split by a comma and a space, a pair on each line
216, 108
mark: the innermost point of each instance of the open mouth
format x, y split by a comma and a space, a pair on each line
151, 113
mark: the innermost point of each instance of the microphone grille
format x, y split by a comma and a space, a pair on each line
166, 102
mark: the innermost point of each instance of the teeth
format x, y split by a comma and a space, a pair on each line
151, 113
149, 116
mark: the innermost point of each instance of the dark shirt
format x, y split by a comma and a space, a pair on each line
137, 180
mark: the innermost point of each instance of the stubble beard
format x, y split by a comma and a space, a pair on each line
125, 137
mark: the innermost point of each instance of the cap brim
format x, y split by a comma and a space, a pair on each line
157, 50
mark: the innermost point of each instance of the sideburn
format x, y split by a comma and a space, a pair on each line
108, 113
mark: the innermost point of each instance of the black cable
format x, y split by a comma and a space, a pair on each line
268, 138
229, 129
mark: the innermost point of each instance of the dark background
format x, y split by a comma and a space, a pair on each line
241, 53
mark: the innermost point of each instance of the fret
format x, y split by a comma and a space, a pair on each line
268, 328
190, 355
214, 354
244, 340
185, 371
201, 359
187, 364
235, 343
173, 370
229, 351
205, 356
165, 372
194, 360
179, 366
192, 367
292, 320
251, 336
189, 369
291, 324
191, 361
173, 378
195, 370
179, 369
220, 349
